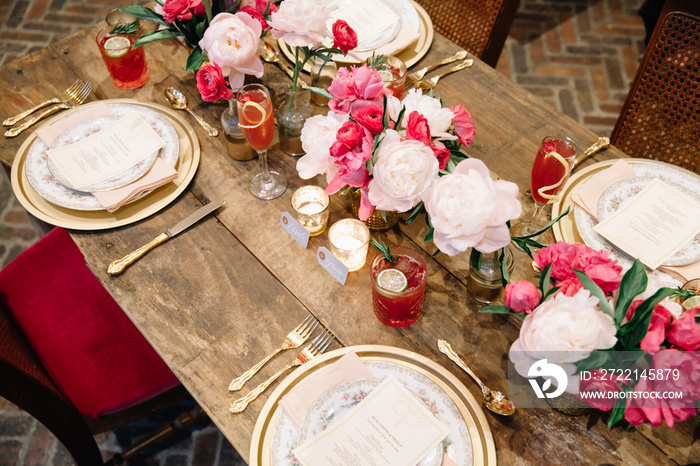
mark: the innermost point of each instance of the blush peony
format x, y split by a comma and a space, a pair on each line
317, 136
301, 23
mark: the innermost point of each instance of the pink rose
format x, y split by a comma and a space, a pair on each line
417, 128
522, 296
370, 117
599, 384
344, 37
442, 153
685, 332
350, 134
569, 287
181, 10
355, 89
211, 84
255, 14
233, 43
464, 126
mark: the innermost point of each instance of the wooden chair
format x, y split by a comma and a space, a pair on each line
660, 118
70, 357
479, 26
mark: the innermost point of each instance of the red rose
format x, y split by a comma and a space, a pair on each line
181, 10
344, 37
684, 332
417, 128
599, 384
370, 117
255, 14
350, 134
211, 83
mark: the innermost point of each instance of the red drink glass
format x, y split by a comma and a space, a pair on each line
394, 75
126, 65
399, 309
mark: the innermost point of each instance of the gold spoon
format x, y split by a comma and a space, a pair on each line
601, 143
177, 100
271, 55
494, 401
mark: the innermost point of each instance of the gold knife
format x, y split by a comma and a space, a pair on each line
118, 266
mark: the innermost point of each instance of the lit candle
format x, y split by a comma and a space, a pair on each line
310, 206
349, 242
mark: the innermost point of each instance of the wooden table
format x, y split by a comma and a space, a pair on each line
219, 297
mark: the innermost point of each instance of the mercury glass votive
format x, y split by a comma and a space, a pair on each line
349, 242
310, 205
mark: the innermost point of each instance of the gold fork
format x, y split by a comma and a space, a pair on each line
63, 97
418, 75
294, 340
427, 84
316, 347
76, 98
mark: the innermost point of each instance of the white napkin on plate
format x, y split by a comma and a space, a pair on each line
402, 40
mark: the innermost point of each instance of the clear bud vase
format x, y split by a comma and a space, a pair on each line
484, 283
322, 74
293, 111
236, 145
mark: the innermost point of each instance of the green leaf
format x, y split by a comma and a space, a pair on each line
545, 276
595, 290
143, 13
505, 276
207, 9
475, 259
632, 284
618, 412
633, 331
385, 116
195, 60
495, 309
154, 36
398, 118
415, 213
429, 235
320, 91
551, 292
547, 226
597, 358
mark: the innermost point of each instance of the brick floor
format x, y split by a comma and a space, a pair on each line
577, 55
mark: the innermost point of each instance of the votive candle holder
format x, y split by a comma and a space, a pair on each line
310, 205
349, 242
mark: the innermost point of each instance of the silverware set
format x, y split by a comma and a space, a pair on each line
72, 97
294, 339
416, 79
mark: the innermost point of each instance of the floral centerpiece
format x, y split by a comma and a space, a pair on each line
404, 155
619, 330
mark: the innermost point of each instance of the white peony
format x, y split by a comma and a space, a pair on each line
563, 330
301, 23
404, 170
317, 135
469, 209
439, 118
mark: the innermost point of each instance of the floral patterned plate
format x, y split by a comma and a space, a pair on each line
457, 444
611, 200
339, 401
55, 190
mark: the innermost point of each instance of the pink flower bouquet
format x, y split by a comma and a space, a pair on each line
620, 340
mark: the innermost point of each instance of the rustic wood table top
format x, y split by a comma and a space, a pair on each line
216, 299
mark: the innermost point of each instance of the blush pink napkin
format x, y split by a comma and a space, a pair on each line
160, 174
350, 367
402, 40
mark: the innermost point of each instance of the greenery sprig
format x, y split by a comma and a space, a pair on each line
381, 246
126, 29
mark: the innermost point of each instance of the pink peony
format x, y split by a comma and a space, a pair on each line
417, 128
599, 383
300, 23
211, 84
344, 37
522, 296
350, 134
355, 89
259, 5
569, 287
464, 126
565, 257
256, 15
442, 153
181, 10
656, 334
352, 169
685, 332
370, 117
233, 43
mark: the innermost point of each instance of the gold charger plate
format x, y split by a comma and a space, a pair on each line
188, 161
483, 447
410, 55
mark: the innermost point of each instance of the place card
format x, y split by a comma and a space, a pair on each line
654, 225
332, 265
295, 229
366, 17
108, 153
390, 427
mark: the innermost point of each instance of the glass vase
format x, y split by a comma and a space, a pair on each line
293, 111
322, 74
236, 145
484, 283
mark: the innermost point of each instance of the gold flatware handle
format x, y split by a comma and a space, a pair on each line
11, 121
418, 75
241, 404
237, 383
118, 266
465, 64
446, 349
207, 127
601, 143
10, 133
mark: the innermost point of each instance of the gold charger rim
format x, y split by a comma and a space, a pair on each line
481, 437
410, 55
188, 163
565, 229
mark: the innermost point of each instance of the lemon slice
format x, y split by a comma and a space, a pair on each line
690, 303
117, 46
392, 280
259, 108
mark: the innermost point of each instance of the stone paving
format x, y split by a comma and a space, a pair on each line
578, 55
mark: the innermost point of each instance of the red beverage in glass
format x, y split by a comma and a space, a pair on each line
126, 66
259, 136
547, 169
402, 308
394, 75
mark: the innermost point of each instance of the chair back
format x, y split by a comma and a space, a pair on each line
660, 118
479, 26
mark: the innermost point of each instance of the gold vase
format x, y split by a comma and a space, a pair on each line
376, 221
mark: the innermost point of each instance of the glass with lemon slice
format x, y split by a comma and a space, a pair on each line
398, 288
126, 65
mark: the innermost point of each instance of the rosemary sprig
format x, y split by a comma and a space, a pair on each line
378, 62
127, 29
682, 294
381, 246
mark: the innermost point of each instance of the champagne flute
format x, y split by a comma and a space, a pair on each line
549, 173
258, 125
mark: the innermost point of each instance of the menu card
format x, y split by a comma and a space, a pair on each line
654, 225
366, 17
390, 427
108, 153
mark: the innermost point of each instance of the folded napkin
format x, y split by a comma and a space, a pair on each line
159, 174
587, 195
402, 40
682, 272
